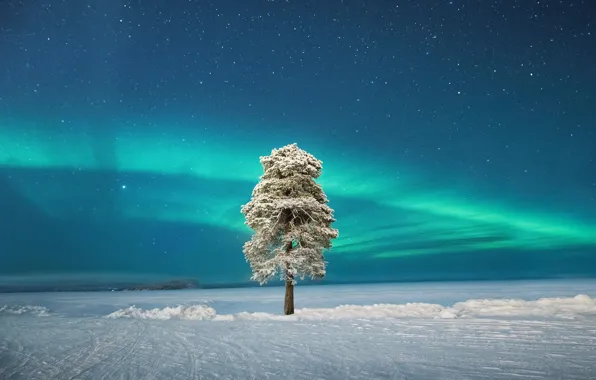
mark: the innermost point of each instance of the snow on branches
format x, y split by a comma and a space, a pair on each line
289, 214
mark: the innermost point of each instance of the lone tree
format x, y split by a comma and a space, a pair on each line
292, 222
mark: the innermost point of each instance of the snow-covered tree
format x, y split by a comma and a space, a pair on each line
291, 220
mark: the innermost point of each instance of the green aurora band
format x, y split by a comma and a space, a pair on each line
394, 215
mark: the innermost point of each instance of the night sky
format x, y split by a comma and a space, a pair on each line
458, 137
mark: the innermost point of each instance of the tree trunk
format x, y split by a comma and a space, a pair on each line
289, 300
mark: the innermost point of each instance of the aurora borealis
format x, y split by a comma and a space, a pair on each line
458, 139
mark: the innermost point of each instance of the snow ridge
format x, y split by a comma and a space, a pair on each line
570, 308
188, 312
25, 309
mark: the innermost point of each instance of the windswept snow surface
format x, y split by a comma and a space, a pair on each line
537, 330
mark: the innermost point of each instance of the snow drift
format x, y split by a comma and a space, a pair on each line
26, 309
572, 307
192, 312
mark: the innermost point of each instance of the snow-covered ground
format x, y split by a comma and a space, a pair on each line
398, 331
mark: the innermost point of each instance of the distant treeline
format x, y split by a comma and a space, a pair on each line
181, 284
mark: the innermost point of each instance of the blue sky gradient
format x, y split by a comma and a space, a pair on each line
458, 138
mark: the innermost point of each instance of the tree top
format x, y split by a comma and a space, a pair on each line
290, 160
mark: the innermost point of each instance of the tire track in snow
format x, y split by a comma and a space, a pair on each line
193, 373
131, 349
104, 360
87, 351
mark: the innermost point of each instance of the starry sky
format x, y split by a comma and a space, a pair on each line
458, 137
